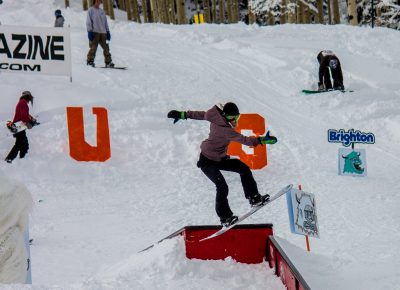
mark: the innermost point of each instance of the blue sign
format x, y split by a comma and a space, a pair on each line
349, 137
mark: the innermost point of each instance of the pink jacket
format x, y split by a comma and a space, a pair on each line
215, 147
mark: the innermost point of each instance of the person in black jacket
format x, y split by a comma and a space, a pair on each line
330, 72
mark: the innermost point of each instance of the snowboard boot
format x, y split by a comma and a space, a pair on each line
110, 65
90, 62
258, 200
226, 222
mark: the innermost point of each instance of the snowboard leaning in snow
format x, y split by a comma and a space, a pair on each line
307, 92
252, 211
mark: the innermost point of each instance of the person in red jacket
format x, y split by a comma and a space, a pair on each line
214, 158
21, 145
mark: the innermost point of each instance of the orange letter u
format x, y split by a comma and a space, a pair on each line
79, 149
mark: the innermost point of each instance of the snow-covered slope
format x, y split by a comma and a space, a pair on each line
90, 219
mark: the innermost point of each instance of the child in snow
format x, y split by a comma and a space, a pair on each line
214, 158
330, 73
59, 22
22, 114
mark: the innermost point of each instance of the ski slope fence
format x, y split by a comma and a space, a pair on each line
248, 243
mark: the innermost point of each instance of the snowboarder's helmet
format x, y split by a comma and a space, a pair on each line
230, 109
57, 12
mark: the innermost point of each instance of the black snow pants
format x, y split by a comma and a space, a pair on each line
21, 145
212, 169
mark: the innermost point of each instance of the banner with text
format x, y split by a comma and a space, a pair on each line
39, 50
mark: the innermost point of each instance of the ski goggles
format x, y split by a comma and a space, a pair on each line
232, 117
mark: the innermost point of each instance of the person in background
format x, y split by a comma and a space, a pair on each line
330, 72
21, 145
98, 33
59, 22
214, 159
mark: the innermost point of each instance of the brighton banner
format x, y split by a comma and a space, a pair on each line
38, 50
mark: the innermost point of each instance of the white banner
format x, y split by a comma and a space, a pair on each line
39, 50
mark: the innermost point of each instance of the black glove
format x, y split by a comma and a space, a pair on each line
33, 122
267, 139
177, 115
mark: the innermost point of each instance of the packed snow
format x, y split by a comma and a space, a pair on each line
90, 219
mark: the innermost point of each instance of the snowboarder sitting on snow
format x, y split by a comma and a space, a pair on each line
22, 114
98, 33
59, 22
214, 158
330, 73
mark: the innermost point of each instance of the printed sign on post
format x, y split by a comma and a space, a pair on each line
39, 50
352, 162
302, 213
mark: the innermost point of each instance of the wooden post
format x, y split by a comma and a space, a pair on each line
252, 16
291, 12
105, 7
181, 10
85, 5
154, 10
329, 11
336, 15
145, 11
229, 10
128, 8
66, 3
171, 10
300, 12
270, 18
111, 9
207, 12
214, 11
307, 16
122, 5
282, 19
320, 7
221, 6
352, 12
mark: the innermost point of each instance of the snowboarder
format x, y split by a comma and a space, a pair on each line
330, 72
98, 33
59, 22
214, 158
22, 114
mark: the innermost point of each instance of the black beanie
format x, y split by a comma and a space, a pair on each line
230, 109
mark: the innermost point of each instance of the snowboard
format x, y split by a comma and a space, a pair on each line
19, 126
249, 213
115, 67
308, 92
16, 127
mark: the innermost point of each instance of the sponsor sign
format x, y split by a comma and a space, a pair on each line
302, 213
349, 137
352, 162
39, 50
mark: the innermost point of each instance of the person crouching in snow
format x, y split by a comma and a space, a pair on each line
22, 114
330, 72
214, 158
